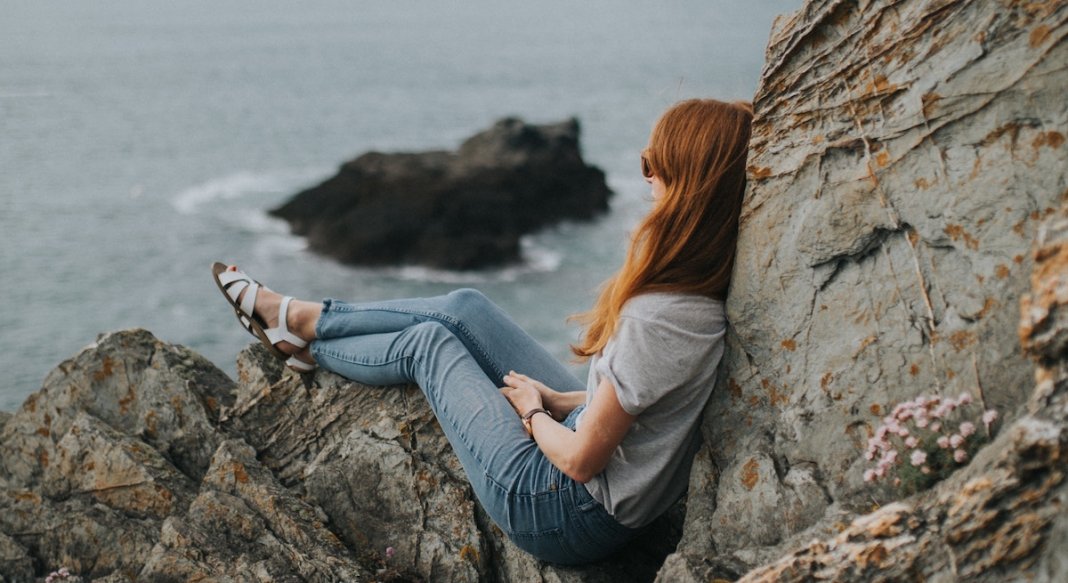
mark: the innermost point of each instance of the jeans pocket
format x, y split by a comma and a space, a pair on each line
548, 546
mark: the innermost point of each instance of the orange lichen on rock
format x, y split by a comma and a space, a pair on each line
105, 370
929, 101
789, 344
734, 388
759, 172
1038, 36
469, 553
750, 475
957, 232
239, 472
1051, 139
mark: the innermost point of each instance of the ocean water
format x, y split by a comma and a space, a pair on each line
142, 140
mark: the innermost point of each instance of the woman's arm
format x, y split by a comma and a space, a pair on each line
580, 454
560, 405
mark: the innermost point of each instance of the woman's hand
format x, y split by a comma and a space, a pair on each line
547, 397
522, 393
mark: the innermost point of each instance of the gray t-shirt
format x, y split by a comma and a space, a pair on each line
662, 362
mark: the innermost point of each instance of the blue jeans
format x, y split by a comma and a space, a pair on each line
457, 348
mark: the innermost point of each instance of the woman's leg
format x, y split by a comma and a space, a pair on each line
542, 510
485, 432
496, 342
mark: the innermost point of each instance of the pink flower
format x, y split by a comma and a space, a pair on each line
390, 551
960, 456
891, 455
989, 417
926, 470
911, 442
902, 432
921, 401
918, 457
964, 399
967, 428
922, 422
869, 475
936, 426
870, 454
956, 440
943, 442
880, 433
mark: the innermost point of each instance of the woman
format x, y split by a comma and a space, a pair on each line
570, 471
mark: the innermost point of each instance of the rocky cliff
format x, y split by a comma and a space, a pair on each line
905, 233
903, 156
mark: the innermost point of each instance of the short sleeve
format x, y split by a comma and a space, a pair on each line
641, 364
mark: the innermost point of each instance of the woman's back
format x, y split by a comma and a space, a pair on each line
662, 361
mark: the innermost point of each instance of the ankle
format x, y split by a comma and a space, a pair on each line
303, 318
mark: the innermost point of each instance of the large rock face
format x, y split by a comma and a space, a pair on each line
453, 210
903, 154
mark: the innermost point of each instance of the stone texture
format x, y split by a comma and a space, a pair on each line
375, 460
117, 470
903, 155
138, 460
454, 210
1002, 517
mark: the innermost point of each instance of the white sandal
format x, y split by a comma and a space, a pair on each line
231, 284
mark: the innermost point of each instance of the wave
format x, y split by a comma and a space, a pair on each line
242, 184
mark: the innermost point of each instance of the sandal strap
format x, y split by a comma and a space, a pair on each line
299, 365
248, 303
235, 282
281, 332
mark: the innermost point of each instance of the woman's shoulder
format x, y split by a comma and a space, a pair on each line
658, 305
674, 314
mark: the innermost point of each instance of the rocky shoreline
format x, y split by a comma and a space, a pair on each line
905, 232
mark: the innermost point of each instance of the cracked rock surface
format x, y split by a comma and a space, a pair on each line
139, 460
904, 154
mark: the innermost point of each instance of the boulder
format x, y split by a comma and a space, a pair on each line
451, 210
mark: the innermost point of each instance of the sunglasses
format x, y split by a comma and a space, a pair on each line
647, 168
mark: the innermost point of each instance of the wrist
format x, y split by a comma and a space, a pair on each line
529, 416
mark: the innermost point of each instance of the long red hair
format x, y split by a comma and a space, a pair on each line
686, 244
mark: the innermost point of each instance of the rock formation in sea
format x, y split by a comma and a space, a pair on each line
451, 210
905, 233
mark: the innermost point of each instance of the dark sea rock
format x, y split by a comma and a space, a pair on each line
451, 210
